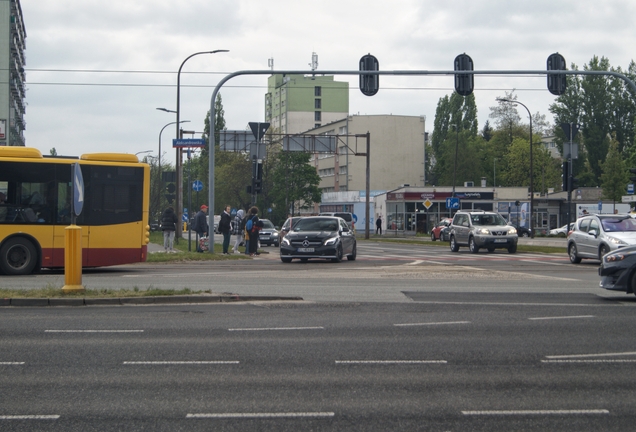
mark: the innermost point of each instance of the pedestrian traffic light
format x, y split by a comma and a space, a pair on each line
565, 176
169, 179
556, 83
632, 174
574, 183
464, 83
369, 84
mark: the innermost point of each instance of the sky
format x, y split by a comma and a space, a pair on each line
97, 70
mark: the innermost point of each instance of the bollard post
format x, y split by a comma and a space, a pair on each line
73, 259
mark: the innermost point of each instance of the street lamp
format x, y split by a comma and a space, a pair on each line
531, 174
178, 161
142, 152
160, 132
456, 151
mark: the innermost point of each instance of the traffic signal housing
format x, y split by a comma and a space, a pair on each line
257, 180
632, 174
169, 179
464, 83
565, 176
556, 83
369, 84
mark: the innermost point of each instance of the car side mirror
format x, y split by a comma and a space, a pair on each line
593, 232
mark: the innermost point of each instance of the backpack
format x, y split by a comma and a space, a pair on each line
249, 224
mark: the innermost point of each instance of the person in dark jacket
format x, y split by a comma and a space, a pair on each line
200, 225
225, 227
169, 226
254, 230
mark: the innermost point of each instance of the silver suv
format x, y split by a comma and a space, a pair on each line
482, 229
595, 235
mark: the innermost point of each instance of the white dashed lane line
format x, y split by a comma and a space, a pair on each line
561, 317
431, 323
93, 331
261, 415
195, 362
29, 417
11, 363
275, 328
390, 362
535, 412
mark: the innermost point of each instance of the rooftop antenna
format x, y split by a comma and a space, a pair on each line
270, 63
314, 61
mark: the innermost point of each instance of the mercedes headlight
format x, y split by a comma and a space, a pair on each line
286, 241
331, 241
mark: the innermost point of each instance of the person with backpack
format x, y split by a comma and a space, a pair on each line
169, 223
252, 229
200, 225
239, 227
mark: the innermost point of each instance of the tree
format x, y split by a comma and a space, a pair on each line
505, 114
294, 182
614, 175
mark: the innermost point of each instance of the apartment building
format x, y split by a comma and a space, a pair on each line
12, 75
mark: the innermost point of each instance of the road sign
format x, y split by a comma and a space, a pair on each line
78, 189
197, 185
630, 188
258, 129
452, 203
428, 204
188, 142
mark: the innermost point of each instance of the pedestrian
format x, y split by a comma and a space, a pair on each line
225, 228
238, 230
378, 225
200, 225
252, 228
169, 223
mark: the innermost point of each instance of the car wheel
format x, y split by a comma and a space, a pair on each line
354, 253
604, 250
491, 250
454, 247
633, 283
432, 236
512, 249
525, 234
338, 257
574, 258
276, 244
285, 259
304, 259
18, 257
472, 246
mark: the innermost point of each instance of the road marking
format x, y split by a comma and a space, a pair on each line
431, 323
261, 415
93, 331
275, 328
589, 361
513, 303
562, 317
29, 417
180, 362
572, 356
391, 362
537, 412
11, 363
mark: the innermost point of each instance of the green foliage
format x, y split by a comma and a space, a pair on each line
614, 175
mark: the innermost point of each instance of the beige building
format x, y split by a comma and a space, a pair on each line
396, 153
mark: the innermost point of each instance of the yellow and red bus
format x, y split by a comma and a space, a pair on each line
35, 208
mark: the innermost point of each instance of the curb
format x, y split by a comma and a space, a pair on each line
121, 301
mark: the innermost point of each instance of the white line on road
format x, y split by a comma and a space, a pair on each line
275, 328
537, 412
431, 323
561, 317
93, 331
11, 363
391, 362
513, 303
180, 362
261, 415
29, 417
572, 356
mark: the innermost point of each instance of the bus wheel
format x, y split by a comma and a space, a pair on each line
18, 257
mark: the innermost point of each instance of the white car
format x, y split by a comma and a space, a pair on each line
558, 231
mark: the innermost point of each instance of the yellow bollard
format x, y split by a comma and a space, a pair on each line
73, 259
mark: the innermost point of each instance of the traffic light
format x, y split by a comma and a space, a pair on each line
574, 183
556, 83
464, 83
169, 178
565, 176
369, 84
632, 174
257, 180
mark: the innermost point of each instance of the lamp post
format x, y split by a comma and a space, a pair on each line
178, 155
494, 172
456, 151
531, 173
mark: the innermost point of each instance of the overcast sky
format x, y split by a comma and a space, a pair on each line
97, 70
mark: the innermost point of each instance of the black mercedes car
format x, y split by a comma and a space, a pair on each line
618, 270
324, 237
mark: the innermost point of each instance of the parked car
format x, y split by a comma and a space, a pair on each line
324, 237
596, 235
288, 225
481, 229
268, 235
348, 217
441, 231
618, 270
562, 232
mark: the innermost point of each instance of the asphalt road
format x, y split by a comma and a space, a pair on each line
488, 362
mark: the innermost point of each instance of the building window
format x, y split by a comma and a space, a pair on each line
317, 125
317, 91
317, 116
318, 104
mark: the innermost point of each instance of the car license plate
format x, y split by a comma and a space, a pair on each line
305, 249
500, 240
